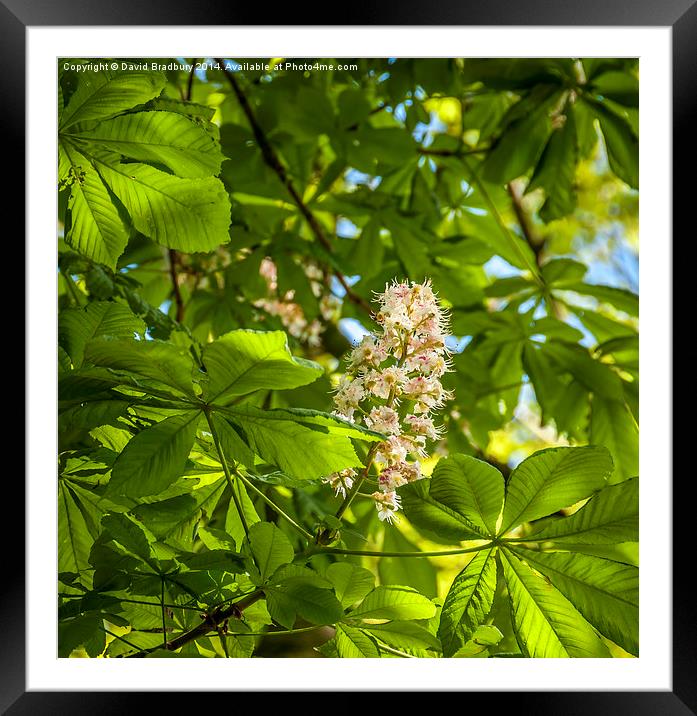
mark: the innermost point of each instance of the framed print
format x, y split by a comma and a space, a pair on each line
347, 340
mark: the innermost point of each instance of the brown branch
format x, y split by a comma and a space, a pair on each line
272, 160
209, 623
178, 300
534, 241
190, 81
529, 233
173, 256
425, 151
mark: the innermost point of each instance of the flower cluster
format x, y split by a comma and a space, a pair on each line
392, 385
291, 314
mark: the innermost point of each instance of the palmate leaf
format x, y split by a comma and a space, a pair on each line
244, 361
545, 619
545, 622
189, 215
605, 592
183, 146
468, 602
95, 228
155, 457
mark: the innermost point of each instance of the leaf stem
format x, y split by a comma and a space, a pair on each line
226, 470
533, 268
319, 549
164, 615
274, 506
396, 652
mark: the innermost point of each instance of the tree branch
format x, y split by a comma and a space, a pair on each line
529, 233
178, 300
173, 256
208, 624
272, 160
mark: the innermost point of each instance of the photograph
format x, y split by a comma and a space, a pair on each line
348, 357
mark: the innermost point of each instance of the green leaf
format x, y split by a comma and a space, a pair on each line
243, 361
620, 298
556, 171
86, 631
610, 517
352, 643
410, 637
270, 549
594, 375
551, 479
298, 450
523, 140
462, 500
231, 441
468, 602
177, 517
621, 142
185, 147
94, 226
155, 457
351, 583
189, 215
78, 526
622, 87
104, 94
131, 535
471, 487
316, 605
392, 602
77, 326
559, 272
545, 622
605, 592
613, 426
549, 388
417, 572
157, 360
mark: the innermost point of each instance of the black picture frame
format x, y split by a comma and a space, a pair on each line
680, 15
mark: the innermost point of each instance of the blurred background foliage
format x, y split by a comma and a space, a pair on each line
511, 183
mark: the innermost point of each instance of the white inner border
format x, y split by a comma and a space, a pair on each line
652, 671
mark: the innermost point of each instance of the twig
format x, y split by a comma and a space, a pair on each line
380, 553
533, 240
529, 233
173, 258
